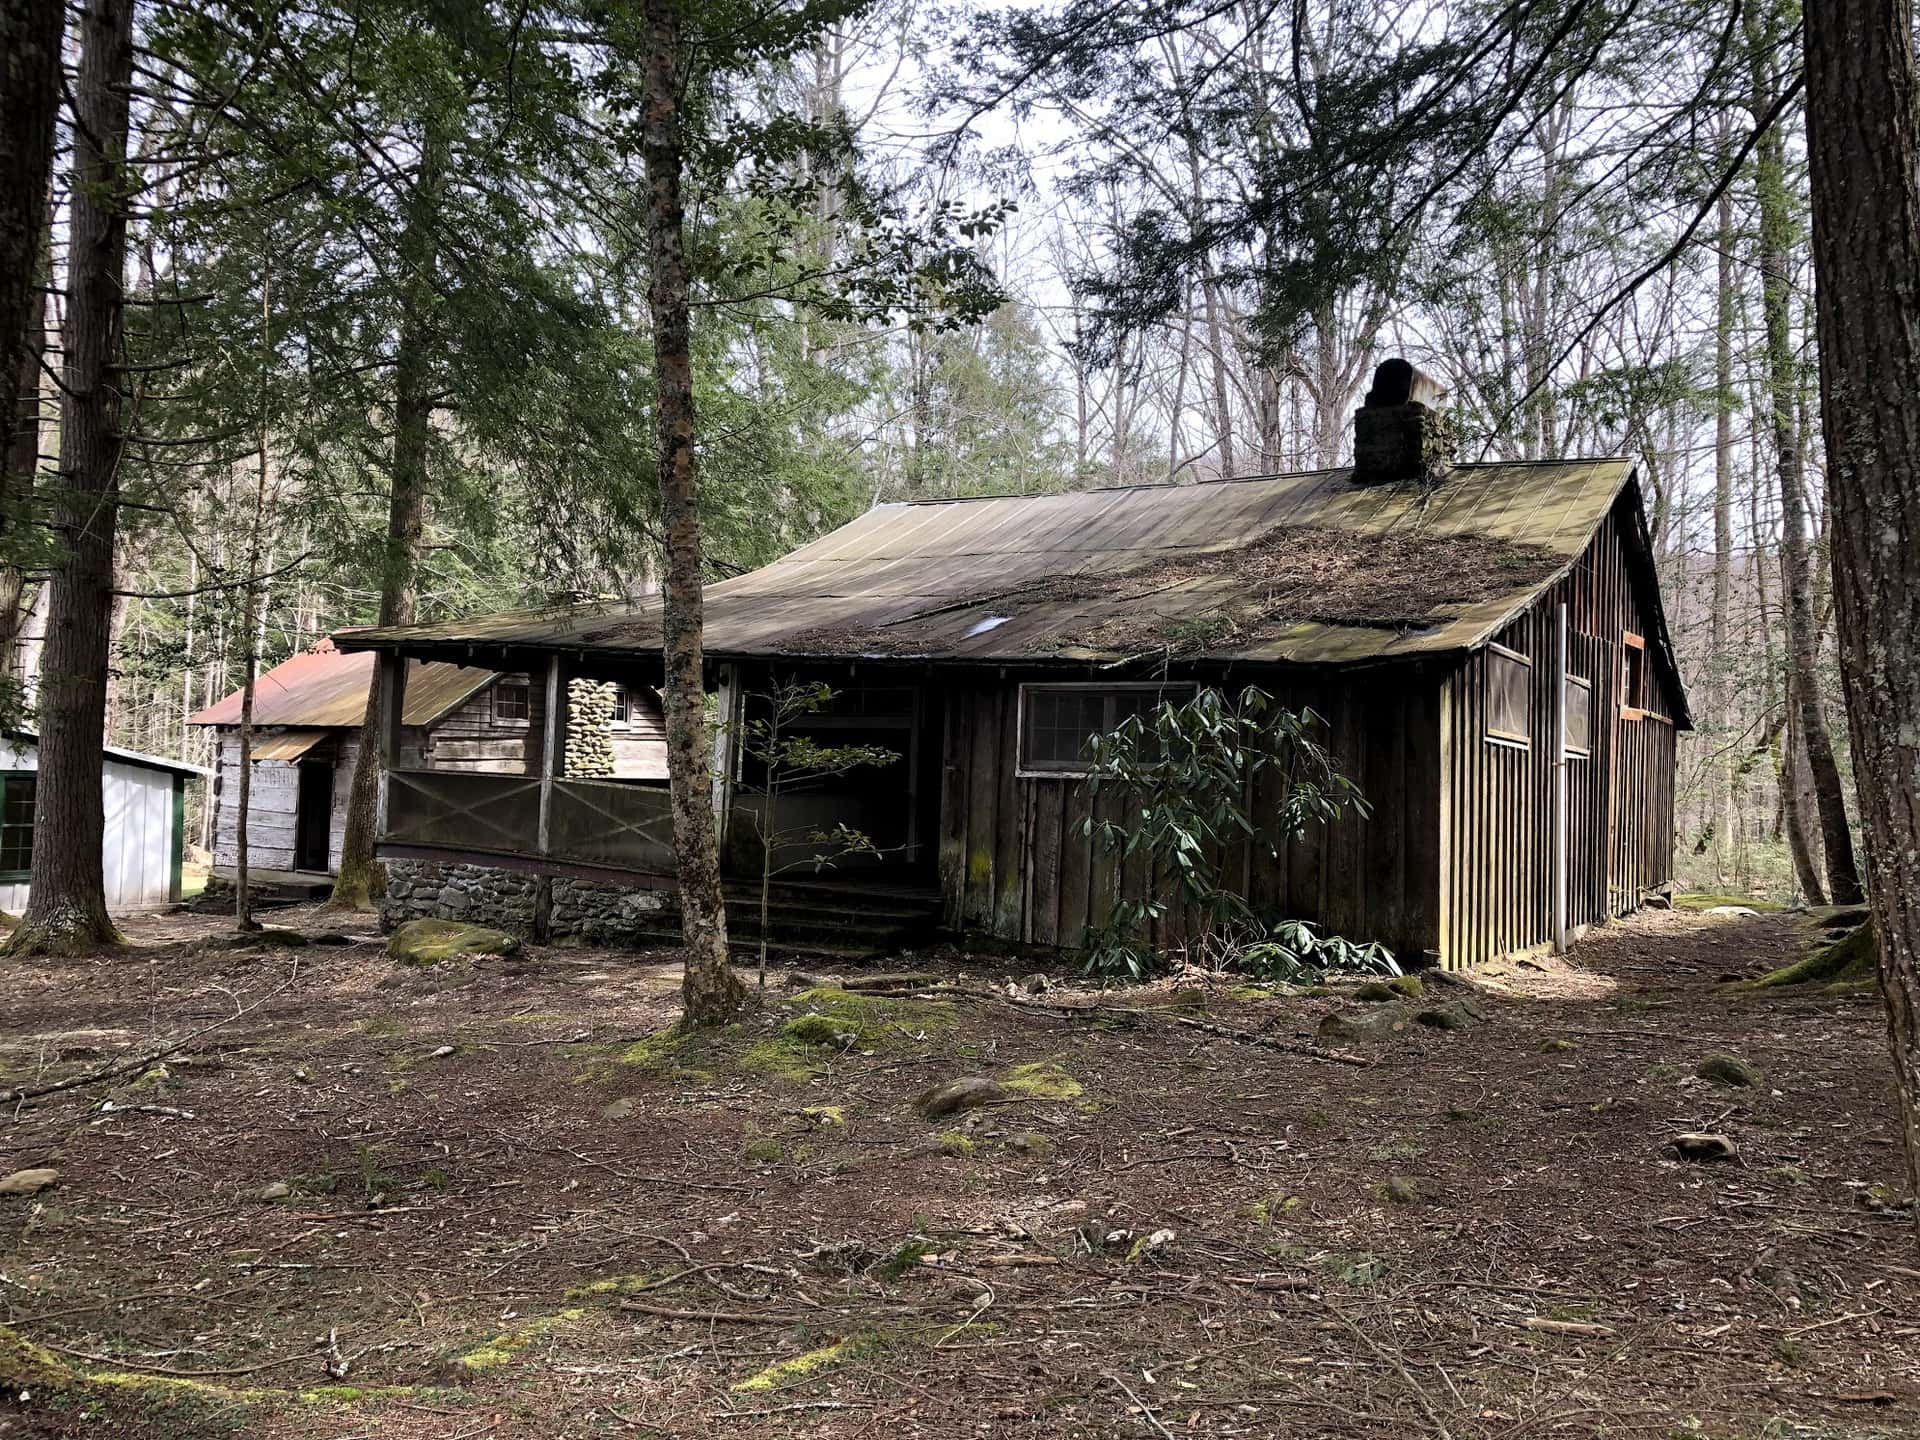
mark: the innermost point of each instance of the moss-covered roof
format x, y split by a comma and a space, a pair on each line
1305, 568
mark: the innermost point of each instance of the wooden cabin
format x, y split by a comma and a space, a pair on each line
308, 712
1484, 641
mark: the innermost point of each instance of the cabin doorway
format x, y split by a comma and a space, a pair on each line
313, 819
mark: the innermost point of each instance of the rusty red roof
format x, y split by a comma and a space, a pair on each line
325, 687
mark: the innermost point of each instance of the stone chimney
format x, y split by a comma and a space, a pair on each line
1401, 432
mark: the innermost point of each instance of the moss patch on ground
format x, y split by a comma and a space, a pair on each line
1043, 1080
490, 1354
783, 1373
824, 1023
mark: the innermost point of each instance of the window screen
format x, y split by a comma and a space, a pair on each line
510, 700
16, 824
1509, 678
1056, 721
1579, 715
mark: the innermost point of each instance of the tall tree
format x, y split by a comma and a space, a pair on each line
1863, 132
30, 33
711, 992
67, 908
407, 497
1783, 391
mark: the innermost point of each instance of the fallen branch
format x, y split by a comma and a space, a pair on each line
1585, 1329
712, 1317
1207, 1027
22, 1093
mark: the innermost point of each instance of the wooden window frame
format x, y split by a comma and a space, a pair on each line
525, 687
1631, 641
13, 877
1584, 686
1507, 739
622, 701
1185, 689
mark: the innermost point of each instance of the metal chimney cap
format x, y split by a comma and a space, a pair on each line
1397, 382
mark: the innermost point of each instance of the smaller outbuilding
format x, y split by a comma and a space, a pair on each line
307, 716
145, 838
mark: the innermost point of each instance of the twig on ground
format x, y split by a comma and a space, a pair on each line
1206, 1027
1144, 1408
21, 1093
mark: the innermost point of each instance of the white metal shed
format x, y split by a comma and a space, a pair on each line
145, 838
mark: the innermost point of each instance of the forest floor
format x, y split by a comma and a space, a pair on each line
495, 1201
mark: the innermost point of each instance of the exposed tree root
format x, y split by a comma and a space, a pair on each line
1845, 962
62, 932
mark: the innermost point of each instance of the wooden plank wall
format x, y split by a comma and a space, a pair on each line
1499, 875
1014, 865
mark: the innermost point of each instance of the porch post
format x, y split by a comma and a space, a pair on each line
553, 738
1559, 776
725, 759
391, 676
551, 741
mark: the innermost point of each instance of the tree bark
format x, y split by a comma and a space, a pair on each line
67, 906
712, 993
30, 32
356, 877
1863, 148
22, 460
1803, 641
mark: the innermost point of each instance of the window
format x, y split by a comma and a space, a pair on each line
512, 701
1056, 721
1579, 717
1509, 692
621, 713
16, 824
1633, 676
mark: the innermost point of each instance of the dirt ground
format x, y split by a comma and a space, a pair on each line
493, 1201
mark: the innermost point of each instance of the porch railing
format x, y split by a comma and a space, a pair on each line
593, 822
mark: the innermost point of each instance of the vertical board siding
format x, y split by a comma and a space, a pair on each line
1498, 872
1015, 865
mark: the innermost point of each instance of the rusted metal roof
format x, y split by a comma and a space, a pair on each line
1103, 575
288, 744
327, 688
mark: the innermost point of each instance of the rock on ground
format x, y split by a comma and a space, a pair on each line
430, 942
28, 1182
1728, 1070
950, 1097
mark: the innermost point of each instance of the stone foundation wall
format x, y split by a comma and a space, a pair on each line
482, 895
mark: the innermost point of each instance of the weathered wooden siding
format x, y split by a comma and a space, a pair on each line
273, 800
472, 738
1013, 863
1498, 861
640, 744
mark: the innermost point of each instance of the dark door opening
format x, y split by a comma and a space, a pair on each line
314, 818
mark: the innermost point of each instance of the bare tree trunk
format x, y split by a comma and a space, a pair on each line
1797, 813
67, 906
1725, 319
356, 875
1803, 644
711, 991
1863, 148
